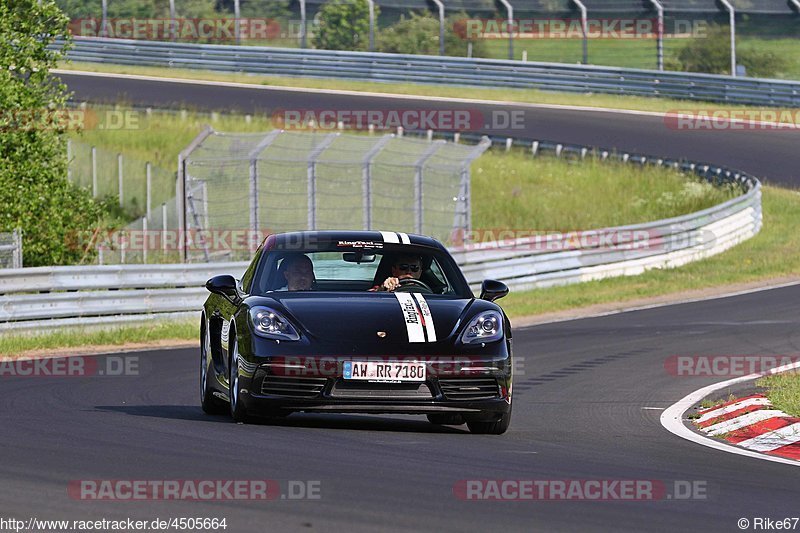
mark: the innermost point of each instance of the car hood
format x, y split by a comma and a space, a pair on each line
406, 319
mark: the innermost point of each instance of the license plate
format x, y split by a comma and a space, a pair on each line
375, 371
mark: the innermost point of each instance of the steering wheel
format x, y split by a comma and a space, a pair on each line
413, 285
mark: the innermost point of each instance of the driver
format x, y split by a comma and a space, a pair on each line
407, 266
299, 273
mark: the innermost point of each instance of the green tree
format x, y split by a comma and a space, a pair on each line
419, 34
343, 25
712, 55
34, 192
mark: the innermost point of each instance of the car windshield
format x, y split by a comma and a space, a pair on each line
356, 270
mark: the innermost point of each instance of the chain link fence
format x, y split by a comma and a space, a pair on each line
622, 33
143, 191
11, 249
241, 187
138, 185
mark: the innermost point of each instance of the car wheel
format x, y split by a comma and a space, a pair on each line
496, 427
211, 404
446, 419
238, 412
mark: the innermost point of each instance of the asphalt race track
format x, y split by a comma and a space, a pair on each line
771, 155
587, 399
580, 400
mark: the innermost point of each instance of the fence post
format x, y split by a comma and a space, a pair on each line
104, 15
253, 205
732, 16
660, 33
172, 20
371, 4
119, 178
236, 15
302, 23
145, 240
366, 178
94, 172
510, 11
465, 198
164, 227
312, 178
440, 6
180, 188
585, 29
418, 183
149, 194
253, 237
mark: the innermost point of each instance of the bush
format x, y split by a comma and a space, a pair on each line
712, 55
419, 34
34, 190
343, 25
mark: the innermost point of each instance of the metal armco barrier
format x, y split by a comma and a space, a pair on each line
366, 66
50, 297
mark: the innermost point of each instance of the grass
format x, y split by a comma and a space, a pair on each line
514, 191
15, 344
510, 190
635, 53
532, 96
783, 391
773, 253
155, 137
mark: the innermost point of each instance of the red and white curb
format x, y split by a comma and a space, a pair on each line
752, 423
752, 434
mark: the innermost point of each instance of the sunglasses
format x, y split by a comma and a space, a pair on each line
405, 267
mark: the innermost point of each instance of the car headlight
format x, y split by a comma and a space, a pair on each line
270, 324
486, 327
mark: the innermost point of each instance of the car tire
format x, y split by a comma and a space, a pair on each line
446, 419
237, 409
211, 404
496, 427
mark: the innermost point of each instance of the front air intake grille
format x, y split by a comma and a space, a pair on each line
344, 388
469, 388
293, 386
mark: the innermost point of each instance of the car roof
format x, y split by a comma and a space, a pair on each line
359, 239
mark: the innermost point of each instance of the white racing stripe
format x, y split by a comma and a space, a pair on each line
427, 317
721, 411
774, 439
395, 237
411, 316
742, 421
390, 236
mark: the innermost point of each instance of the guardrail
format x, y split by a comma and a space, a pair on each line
51, 297
543, 261
368, 66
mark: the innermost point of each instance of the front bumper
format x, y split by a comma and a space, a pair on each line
477, 389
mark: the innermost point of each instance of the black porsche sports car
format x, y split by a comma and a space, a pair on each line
356, 321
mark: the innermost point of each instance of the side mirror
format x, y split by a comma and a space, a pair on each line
224, 285
492, 290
